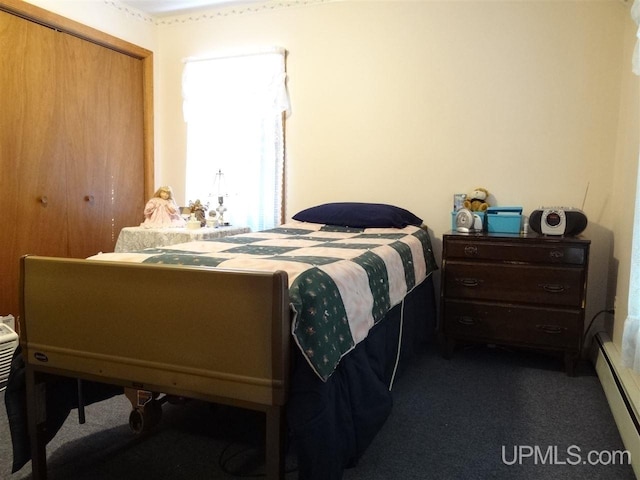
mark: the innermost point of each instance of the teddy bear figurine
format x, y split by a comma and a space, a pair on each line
476, 201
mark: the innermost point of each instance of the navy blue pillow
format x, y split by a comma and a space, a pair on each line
359, 215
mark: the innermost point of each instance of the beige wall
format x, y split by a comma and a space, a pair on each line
410, 102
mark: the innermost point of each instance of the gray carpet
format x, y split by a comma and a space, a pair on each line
476, 416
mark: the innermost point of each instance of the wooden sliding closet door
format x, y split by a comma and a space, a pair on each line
103, 120
74, 159
34, 214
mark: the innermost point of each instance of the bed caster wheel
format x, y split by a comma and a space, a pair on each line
143, 419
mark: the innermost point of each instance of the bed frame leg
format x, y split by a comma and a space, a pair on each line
81, 414
275, 443
36, 421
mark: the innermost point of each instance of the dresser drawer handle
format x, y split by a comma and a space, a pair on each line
471, 251
468, 321
552, 329
468, 282
556, 254
552, 287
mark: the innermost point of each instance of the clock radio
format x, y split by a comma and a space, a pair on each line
468, 221
558, 221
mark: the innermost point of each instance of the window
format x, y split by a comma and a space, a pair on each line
234, 107
631, 334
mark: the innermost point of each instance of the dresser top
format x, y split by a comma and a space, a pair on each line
530, 237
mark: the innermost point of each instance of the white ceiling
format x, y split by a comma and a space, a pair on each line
177, 7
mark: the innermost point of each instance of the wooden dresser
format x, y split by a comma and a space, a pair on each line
508, 289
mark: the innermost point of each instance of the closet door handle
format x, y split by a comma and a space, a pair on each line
43, 200
89, 198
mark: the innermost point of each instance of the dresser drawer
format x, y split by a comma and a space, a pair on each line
516, 252
534, 284
511, 324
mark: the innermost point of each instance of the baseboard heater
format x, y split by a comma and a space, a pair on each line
617, 383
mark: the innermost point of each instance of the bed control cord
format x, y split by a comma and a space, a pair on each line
395, 367
606, 310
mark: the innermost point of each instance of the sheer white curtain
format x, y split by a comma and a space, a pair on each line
631, 334
233, 106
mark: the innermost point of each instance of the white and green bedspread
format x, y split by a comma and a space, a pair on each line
342, 281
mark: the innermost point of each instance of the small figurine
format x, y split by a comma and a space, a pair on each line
193, 223
212, 221
162, 210
199, 210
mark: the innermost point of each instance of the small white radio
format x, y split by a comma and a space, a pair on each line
468, 221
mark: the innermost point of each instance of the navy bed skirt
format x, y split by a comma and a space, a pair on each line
333, 422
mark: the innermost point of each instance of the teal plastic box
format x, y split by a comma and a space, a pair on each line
480, 214
504, 219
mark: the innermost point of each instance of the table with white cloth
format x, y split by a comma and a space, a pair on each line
132, 239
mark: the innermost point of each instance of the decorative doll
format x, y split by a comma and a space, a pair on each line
162, 210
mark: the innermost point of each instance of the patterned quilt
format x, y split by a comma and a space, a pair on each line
342, 281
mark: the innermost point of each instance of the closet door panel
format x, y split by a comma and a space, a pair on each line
127, 174
104, 126
33, 180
